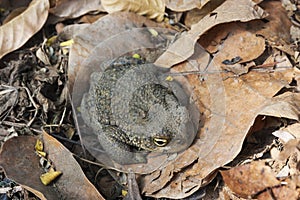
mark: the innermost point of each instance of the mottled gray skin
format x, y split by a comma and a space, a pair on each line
134, 111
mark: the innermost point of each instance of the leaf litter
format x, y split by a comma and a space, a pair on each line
17, 31
256, 92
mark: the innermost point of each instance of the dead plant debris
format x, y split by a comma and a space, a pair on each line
239, 60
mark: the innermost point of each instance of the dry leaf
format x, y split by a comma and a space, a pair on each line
26, 170
50, 176
294, 129
43, 56
222, 135
90, 36
3, 134
73, 9
283, 135
89, 19
13, 4
20, 29
35, 192
183, 48
279, 193
133, 188
250, 179
283, 106
8, 98
154, 9
288, 134
184, 5
73, 176
195, 15
244, 44
277, 27
14, 13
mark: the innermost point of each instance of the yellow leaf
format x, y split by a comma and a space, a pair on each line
51, 40
154, 9
67, 43
153, 32
41, 153
137, 56
124, 193
50, 176
39, 145
169, 78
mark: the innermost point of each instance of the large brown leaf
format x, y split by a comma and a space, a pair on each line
20, 29
73, 183
24, 169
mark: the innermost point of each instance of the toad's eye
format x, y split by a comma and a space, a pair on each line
160, 142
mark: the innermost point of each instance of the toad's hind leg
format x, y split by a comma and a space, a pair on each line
112, 141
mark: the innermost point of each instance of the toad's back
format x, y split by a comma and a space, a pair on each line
133, 110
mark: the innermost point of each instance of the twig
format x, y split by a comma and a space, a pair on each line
76, 123
65, 139
63, 116
19, 125
9, 89
34, 104
196, 72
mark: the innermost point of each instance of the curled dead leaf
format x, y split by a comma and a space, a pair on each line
20, 29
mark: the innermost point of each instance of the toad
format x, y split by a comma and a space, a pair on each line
134, 110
